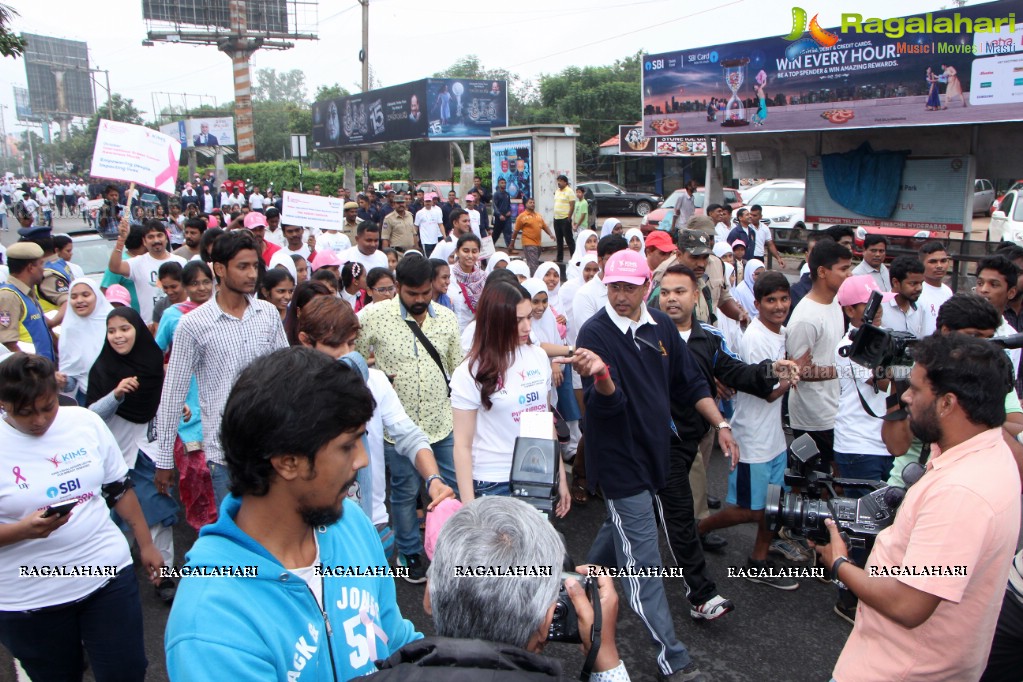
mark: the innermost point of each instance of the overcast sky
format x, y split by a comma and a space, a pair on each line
412, 39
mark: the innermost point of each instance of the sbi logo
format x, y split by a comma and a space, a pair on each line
648, 66
65, 488
714, 57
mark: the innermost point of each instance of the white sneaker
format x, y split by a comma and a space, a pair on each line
713, 608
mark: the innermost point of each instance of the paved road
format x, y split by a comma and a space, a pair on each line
771, 634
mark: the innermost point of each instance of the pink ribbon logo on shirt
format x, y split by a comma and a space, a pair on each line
18, 478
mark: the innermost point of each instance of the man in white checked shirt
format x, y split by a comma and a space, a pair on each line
214, 343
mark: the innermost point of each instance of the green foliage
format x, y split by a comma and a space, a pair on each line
286, 86
325, 92
283, 175
11, 45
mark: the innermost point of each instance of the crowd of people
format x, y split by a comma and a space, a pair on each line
292, 394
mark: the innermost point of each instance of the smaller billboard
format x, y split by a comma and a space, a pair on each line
209, 132
512, 161
22, 105
632, 140
175, 130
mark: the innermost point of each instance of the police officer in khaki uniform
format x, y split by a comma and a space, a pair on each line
399, 229
55, 288
350, 227
21, 315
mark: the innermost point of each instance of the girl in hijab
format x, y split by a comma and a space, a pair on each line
125, 384
611, 226
744, 292
498, 261
634, 238
467, 279
729, 327
82, 336
196, 485
519, 269
587, 269
586, 242
550, 275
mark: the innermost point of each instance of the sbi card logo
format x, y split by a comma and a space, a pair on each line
64, 488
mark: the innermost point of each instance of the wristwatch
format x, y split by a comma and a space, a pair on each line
723, 425
430, 479
571, 351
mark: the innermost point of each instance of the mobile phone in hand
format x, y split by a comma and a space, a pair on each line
61, 509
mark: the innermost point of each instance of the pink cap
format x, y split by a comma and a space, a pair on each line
857, 289
116, 293
325, 259
626, 266
435, 520
470, 197
188, 185
211, 221
432, 196
254, 219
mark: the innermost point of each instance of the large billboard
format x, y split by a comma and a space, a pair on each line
58, 76
22, 104
209, 132
948, 67
434, 108
262, 16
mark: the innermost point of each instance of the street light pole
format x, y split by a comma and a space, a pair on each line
364, 56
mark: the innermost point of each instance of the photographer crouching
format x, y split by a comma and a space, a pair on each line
931, 588
497, 625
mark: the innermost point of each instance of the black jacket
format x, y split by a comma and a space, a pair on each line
717, 361
465, 660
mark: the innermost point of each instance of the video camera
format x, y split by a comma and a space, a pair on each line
875, 347
859, 520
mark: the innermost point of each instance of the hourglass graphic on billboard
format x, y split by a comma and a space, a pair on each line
735, 76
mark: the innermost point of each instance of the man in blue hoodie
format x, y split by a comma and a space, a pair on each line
292, 580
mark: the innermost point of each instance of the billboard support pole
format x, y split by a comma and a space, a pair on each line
240, 48
364, 56
110, 97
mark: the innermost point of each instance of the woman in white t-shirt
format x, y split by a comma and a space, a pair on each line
55, 455
503, 376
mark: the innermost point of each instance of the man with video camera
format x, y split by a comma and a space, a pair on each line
494, 627
930, 591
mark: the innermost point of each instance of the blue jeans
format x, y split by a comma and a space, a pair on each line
868, 467
108, 623
221, 479
485, 488
405, 487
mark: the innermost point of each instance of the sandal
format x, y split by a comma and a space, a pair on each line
578, 490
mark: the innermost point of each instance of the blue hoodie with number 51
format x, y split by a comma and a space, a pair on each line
269, 626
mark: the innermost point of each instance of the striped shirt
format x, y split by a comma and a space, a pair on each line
214, 347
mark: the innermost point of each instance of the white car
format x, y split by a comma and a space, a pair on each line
1007, 222
783, 201
749, 192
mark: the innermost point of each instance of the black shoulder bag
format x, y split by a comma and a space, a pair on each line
431, 351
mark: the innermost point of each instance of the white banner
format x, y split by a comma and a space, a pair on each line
133, 153
309, 210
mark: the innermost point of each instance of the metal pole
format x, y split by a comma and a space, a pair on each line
110, 97
240, 52
31, 154
365, 81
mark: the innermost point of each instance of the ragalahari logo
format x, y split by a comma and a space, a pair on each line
800, 41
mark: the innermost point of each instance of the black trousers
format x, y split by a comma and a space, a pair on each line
1005, 663
563, 231
680, 523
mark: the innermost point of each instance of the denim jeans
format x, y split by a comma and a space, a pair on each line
108, 623
485, 488
221, 479
405, 487
868, 467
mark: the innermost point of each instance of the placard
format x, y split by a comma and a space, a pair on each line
309, 210
133, 153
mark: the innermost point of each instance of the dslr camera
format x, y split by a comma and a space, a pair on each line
565, 626
859, 520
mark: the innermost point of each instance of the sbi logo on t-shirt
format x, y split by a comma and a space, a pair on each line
64, 488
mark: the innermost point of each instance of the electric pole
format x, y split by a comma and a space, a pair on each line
364, 57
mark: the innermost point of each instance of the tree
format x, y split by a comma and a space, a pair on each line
325, 92
81, 139
11, 45
286, 86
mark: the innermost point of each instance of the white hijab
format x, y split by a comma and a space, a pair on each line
553, 297
82, 338
580, 250
499, 257
608, 225
519, 268
545, 330
636, 232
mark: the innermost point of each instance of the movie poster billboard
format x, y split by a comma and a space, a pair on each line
384, 115
209, 132
465, 109
948, 67
432, 108
512, 161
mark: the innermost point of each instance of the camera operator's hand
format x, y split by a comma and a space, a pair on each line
833, 549
607, 657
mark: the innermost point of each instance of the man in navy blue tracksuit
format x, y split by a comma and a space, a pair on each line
634, 364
